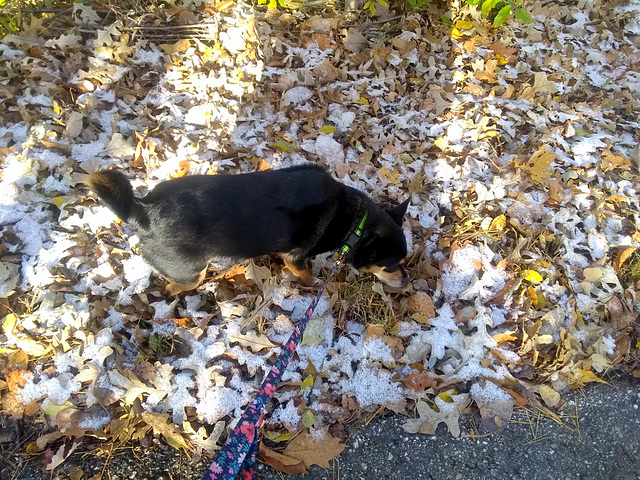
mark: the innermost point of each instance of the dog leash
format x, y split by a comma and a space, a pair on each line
237, 457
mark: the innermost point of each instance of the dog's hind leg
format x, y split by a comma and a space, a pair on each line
300, 268
174, 288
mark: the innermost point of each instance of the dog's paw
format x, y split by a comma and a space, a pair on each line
309, 281
174, 289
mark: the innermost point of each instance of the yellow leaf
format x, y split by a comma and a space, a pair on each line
423, 319
442, 143
533, 296
52, 409
458, 76
9, 324
307, 382
33, 348
362, 101
464, 25
59, 201
498, 223
389, 176
224, 5
284, 146
327, 129
533, 276
581, 377
307, 418
278, 437
446, 396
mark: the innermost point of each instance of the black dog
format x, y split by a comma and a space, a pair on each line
297, 212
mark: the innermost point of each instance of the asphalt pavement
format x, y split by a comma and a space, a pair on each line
599, 440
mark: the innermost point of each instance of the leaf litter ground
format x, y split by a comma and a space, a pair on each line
518, 148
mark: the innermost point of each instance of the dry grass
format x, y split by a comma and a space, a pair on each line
360, 300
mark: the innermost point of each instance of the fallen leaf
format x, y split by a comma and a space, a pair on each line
549, 396
161, 426
611, 161
622, 257
256, 274
421, 303
281, 462
579, 377
533, 276
54, 460
317, 449
419, 381
539, 165
448, 413
507, 53
252, 340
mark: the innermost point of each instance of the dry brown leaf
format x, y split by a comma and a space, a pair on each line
178, 47
12, 405
622, 257
76, 473
315, 450
354, 41
489, 74
253, 341
449, 413
419, 381
543, 85
549, 396
422, 304
508, 53
280, 462
53, 460
162, 426
611, 161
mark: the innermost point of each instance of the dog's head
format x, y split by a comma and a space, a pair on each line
383, 246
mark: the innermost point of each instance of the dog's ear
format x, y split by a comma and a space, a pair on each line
398, 212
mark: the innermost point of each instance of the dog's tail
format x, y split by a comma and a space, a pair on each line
114, 189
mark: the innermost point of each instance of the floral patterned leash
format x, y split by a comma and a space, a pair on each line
237, 457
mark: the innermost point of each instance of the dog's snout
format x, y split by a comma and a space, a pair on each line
395, 277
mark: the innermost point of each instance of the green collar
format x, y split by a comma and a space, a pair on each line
353, 238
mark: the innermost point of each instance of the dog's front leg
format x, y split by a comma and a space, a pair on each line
300, 267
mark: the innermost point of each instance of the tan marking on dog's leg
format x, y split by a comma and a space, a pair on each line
304, 276
177, 288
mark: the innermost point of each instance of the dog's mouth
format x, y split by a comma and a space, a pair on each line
396, 277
